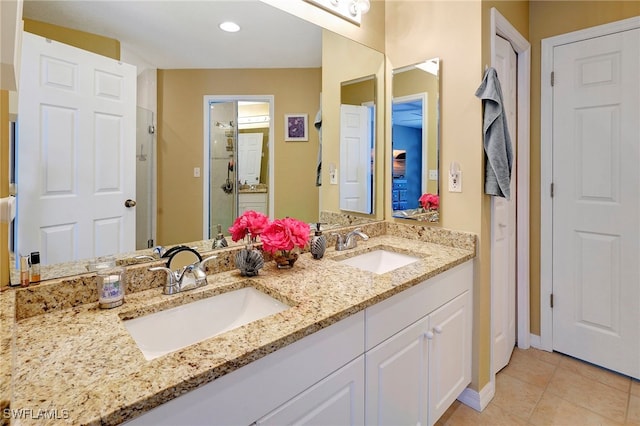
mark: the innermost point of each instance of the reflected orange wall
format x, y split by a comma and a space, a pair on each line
104, 46
180, 142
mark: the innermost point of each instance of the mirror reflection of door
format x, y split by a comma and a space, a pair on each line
237, 174
357, 144
407, 136
75, 154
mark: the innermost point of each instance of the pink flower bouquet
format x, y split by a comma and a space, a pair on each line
251, 222
285, 235
429, 201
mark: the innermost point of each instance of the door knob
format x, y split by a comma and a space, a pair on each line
130, 203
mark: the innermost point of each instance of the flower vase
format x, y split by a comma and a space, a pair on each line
285, 258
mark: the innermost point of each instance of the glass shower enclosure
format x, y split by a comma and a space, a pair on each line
223, 191
145, 179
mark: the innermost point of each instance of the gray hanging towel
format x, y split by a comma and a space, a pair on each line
318, 125
497, 143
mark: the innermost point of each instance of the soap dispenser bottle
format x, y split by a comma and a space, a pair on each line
318, 243
220, 241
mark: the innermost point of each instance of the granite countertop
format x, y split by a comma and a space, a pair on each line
81, 363
252, 189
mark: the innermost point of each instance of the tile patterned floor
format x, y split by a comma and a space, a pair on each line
549, 389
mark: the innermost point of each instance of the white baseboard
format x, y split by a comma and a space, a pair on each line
478, 400
535, 341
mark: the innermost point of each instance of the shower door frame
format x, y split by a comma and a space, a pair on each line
207, 100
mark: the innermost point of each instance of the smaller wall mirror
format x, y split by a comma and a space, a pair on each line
415, 135
357, 144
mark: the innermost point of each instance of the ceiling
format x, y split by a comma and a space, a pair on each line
408, 114
175, 34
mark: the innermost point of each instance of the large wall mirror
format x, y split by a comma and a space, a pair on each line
288, 178
415, 120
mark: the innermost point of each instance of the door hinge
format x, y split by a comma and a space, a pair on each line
150, 243
553, 78
551, 300
552, 189
152, 129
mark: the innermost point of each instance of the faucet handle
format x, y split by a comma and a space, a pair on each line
205, 260
171, 284
339, 240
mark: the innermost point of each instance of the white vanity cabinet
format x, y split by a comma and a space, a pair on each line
250, 392
252, 201
336, 400
415, 372
401, 361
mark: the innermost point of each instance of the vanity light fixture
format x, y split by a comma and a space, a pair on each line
230, 27
359, 6
351, 10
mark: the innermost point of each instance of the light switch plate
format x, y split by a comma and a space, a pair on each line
196, 172
333, 177
455, 181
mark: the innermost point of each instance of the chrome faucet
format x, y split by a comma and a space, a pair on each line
349, 241
187, 278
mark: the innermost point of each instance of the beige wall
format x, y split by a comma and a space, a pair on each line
344, 60
180, 142
451, 30
548, 19
92, 42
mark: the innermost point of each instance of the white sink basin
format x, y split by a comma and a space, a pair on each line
175, 328
380, 261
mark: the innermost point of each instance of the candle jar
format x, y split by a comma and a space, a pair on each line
110, 285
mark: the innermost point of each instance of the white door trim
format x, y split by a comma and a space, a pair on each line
205, 159
503, 28
546, 163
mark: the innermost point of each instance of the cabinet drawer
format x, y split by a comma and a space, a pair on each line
258, 197
387, 317
336, 400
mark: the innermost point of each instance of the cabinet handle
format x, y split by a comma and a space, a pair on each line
437, 329
428, 335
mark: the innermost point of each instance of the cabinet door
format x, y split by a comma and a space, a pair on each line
450, 354
257, 202
396, 376
335, 400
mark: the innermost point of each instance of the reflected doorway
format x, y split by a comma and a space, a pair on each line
408, 136
239, 151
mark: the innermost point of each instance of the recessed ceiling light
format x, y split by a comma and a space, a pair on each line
230, 27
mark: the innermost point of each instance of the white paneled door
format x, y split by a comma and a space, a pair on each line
596, 202
249, 157
76, 152
355, 159
503, 223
